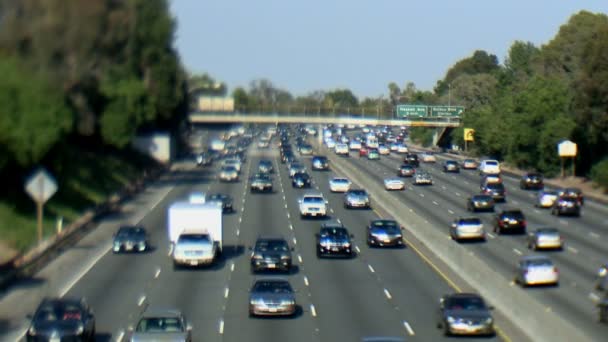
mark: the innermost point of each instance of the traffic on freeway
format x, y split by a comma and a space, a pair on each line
311, 255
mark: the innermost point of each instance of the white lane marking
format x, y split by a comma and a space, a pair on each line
305, 280
435, 203
85, 271
421, 194
288, 215
290, 226
284, 198
285, 205
411, 210
226, 292
357, 249
408, 328
457, 194
450, 211
331, 210
562, 221
572, 249
371, 269
537, 211
157, 273
387, 294
338, 220
221, 328
313, 311
300, 258
443, 187
240, 219
141, 300
515, 202
466, 182
295, 242
232, 267
594, 235
491, 235
517, 251
453, 177
120, 336
594, 297
238, 232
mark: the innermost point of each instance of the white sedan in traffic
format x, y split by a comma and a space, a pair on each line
394, 184
339, 184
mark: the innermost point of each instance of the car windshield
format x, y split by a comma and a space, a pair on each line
469, 220
127, 231
334, 232
491, 163
514, 215
540, 262
312, 200
464, 303
272, 287
193, 238
482, 198
59, 312
450, 162
388, 226
272, 246
160, 325
216, 197
340, 180
357, 193
228, 169
547, 231
495, 186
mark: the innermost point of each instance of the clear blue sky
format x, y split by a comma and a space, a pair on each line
302, 46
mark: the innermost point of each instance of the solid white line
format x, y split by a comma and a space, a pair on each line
435, 203
85, 271
408, 328
450, 211
157, 273
573, 250
221, 329
300, 258
141, 300
313, 312
387, 294
120, 336
226, 292
305, 281
371, 269
517, 251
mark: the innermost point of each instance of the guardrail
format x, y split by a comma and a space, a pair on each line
33, 260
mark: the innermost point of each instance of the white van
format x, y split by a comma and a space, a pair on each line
489, 167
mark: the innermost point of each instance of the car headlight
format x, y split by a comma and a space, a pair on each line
257, 257
32, 330
489, 320
451, 319
256, 302
79, 329
602, 272
285, 257
346, 244
288, 302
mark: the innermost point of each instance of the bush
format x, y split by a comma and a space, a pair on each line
599, 174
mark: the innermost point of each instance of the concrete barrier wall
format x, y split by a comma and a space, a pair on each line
523, 310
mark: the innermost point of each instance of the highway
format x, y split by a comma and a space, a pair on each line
585, 237
381, 292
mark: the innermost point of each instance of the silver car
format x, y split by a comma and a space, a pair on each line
546, 198
467, 228
162, 325
272, 297
229, 174
536, 270
545, 238
356, 198
423, 178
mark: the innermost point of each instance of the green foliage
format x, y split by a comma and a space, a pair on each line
34, 116
599, 173
422, 135
480, 63
341, 98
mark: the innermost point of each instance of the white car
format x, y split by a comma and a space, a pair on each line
394, 184
546, 198
402, 148
232, 162
341, 149
313, 204
394, 146
536, 270
330, 143
339, 184
489, 167
428, 158
383, 150
355, 145
229, 174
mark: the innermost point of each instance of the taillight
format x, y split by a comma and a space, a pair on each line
523, 223
555, 270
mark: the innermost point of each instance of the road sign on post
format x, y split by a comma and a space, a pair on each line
446, 111
40, 186
412, 111
469, 134
567, 149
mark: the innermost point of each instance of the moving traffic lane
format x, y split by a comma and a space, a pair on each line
570, 300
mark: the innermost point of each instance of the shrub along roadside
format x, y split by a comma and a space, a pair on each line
85, 179
599, 174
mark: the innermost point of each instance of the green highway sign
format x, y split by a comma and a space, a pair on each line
412, 111
446, 111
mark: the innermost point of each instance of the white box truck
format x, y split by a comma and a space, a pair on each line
195, 233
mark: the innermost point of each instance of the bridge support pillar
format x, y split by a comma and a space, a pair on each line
441, 137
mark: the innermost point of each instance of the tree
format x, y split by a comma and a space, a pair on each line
480, 63
241, 99
341, 98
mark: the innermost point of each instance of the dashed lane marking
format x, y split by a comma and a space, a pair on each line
232, 267
594, 235
517, 251
120, 336
387, 294
157, 273
300, 258
435, 203
226, 292
408, 328
371, 269
295, 242
306, 281
457, 194
451, 211
357, 249
313, 311
572, 250
221, 327
141, 300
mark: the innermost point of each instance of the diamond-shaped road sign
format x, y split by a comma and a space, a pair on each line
41, 186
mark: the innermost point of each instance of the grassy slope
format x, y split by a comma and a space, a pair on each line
85, 179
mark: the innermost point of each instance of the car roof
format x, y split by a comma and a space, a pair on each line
62, 301
270, 237
161, 312
535, 257
463, 295
547, 230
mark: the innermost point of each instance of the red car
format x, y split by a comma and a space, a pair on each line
363, 151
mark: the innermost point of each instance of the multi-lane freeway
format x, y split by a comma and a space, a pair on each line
380, 292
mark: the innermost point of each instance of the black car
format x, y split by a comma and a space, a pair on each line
203, 159
480, 203
412, 159
465, 314
265, 166
286, 154
223, 200
565, 205
532, 180
406, 170
320, 163
384, 233
130, 239
451, 166
575, 193
62, 319
261, 183
271, 253
301, 180
510, 220
496, 190
334, 239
